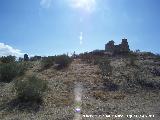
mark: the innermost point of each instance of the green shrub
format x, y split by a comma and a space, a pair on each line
131, 83
139, 80
148, 54
62, 61
96, 61
47, 62
132, 60
8, 59
35, 58
157, 58
106, 68
30, 89
155, 71
144, 81
22, 67
110, 86
9, 71
106, 72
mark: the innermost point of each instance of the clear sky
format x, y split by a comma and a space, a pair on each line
49, 27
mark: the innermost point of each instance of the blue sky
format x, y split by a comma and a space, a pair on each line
49, 27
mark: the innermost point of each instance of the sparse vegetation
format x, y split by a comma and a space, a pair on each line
105, 67
30, 89
58, 62
155, 71
143, 80
63, 98
9, 71
35, 58
139, 80
110, 86
22, 67
97, 60
104, 95
146, 54
106, 72
8, 59
62, 61
132, 59
157, 58
47, 62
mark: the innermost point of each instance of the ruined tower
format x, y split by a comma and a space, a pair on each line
117, 49
124, 47
109, 47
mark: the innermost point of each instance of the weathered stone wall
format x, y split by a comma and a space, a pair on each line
124, 46
121, 48
110, 46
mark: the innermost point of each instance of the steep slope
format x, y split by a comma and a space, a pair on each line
81, 86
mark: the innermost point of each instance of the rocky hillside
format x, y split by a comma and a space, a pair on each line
112, 86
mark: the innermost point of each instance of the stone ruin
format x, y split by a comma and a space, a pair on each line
110, 48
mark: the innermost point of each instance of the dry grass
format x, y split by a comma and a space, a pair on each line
59, 99
104, 95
